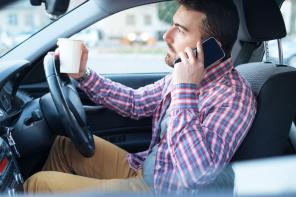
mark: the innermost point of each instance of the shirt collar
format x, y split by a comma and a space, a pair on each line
216, 71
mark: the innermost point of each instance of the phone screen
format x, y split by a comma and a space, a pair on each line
212, 52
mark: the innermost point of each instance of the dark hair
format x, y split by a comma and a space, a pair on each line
221, 22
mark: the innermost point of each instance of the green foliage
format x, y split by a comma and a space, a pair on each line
166, 11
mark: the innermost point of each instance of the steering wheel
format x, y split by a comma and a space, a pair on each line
69, 106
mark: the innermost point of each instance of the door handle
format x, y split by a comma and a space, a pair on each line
91, 108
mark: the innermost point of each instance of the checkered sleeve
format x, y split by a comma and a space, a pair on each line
125, 101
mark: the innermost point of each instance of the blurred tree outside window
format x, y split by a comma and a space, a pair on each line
166, 11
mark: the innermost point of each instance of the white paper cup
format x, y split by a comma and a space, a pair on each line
70, 55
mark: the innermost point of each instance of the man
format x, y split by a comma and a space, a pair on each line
200, 116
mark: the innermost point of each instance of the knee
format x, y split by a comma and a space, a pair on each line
39, 182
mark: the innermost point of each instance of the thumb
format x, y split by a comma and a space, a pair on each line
200, 52
57, 52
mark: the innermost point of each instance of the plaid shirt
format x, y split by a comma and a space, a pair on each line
207, 122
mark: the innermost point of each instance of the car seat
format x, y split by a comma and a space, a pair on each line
273, 84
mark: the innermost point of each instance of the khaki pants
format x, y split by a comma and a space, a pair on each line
67, 170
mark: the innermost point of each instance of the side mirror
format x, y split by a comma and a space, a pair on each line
54, 8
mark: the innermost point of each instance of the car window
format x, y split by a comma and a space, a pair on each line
130, 41
288, 10
20, 20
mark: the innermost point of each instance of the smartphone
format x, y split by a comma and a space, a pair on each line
212, 52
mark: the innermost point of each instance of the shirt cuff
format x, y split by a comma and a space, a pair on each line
185, 96
88, 82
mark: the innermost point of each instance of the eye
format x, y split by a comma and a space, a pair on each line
179, 30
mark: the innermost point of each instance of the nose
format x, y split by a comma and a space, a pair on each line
167, 36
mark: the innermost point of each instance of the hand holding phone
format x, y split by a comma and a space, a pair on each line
193, 68
212, 52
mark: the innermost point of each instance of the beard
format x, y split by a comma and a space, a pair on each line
170, 58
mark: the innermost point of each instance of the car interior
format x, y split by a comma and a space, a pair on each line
38, 103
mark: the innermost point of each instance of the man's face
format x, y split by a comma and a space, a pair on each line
185, 32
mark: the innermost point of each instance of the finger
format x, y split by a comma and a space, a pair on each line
183, 57
57, 52
83, 47
84, 58
84, 55
190, 54
200, 53
84, 50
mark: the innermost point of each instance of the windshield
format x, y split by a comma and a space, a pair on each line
20, 20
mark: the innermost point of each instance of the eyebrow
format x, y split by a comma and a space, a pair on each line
178, 25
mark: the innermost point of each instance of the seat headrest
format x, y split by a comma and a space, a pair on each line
261, 20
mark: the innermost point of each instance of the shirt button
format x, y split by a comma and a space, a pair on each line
157, 167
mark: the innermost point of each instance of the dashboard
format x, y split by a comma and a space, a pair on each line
5, 101
23, 126
5, 105
27, 126
11, 103
11, 100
